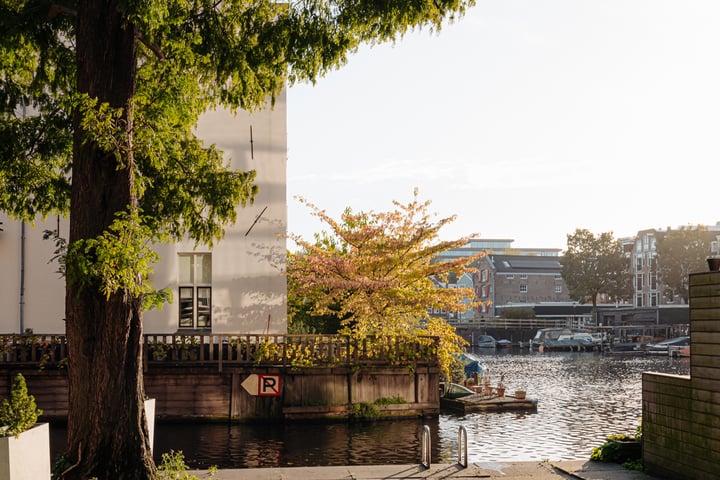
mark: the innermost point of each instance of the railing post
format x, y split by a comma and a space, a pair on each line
462, 447
425, 447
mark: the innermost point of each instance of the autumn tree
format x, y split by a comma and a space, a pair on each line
594, 266
98, 100
679, 253
377, 273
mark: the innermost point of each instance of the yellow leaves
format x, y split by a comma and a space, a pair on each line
373, 270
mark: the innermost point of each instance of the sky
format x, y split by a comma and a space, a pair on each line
526, 119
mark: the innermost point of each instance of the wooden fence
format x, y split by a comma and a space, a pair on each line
240, 350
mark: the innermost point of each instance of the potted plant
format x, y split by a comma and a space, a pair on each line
21, 438
158, 350
500, 389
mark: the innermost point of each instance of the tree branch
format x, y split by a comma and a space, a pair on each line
153, 47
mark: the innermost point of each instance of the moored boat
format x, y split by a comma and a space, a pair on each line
453, 391
486, 341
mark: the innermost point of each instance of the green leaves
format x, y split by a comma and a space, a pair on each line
595, 265
120, 259
681, 252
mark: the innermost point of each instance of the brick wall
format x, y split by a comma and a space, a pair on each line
681, 414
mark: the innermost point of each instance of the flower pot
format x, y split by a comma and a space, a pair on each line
713, 263
500, 391
520, 394
26, 457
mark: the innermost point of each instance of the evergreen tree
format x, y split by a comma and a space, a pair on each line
98, 99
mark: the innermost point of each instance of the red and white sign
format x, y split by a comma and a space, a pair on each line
262, 385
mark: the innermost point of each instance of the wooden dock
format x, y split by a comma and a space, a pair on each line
483, 403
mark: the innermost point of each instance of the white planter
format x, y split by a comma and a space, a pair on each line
150, 414
28, 456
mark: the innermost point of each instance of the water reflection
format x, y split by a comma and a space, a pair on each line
583, 397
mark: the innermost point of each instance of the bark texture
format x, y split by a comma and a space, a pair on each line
107, 429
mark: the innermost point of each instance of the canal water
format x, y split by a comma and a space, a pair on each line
582, 398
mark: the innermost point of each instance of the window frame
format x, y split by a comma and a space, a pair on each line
200, 289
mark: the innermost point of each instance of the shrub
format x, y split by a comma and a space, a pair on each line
20, 412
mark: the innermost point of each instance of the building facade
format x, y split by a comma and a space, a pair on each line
641, 251
237, 286
504, 280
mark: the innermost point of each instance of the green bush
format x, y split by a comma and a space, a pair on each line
620, 448
364, 410
20, 412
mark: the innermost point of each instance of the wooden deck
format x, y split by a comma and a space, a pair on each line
482, 403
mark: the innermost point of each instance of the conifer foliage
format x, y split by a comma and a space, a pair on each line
98, 104
18, 413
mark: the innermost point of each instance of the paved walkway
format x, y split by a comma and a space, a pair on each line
546, 470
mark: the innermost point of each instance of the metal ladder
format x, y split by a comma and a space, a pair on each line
425, 450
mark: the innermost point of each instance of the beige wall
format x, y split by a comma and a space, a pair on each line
43, 301
249, 286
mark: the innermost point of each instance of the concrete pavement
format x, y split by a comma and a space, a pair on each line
545, 470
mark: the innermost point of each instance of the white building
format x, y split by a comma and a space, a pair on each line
238, 286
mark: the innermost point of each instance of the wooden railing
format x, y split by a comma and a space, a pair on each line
288, 350
33, 349
240, 349
510, 323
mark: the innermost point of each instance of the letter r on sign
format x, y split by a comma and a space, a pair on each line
269, 385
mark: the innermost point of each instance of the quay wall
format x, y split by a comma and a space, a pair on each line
681, 414
203, 393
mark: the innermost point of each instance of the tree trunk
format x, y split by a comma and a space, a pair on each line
107, 428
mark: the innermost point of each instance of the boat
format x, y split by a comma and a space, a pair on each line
574, 342
454, 390
504, 343
485, 341
625, 348
663, 348
565, 339
472, 365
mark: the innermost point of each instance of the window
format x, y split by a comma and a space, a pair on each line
484, 275
558, 288
523, 288
195, 290
510, 277
523, 276
484, 291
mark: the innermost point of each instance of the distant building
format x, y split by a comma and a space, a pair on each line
505, 275
641, 251
516, 280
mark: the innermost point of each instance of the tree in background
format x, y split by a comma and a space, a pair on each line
680, 253
374, 272
594, 266
98, 100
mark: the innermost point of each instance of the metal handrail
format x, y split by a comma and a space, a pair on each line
425, 448
462, 447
